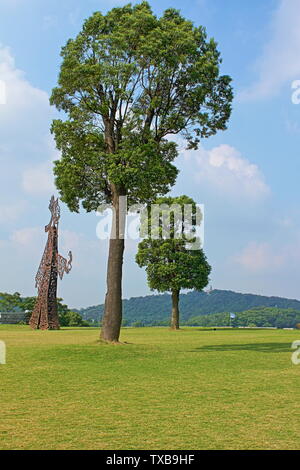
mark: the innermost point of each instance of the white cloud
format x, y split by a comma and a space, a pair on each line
2, 92
279, 62
224, 168
39, 180
26, 146
22, 99
30, 238
25, 118
36, 237
11, 211
70, 240
259, 256
272, 255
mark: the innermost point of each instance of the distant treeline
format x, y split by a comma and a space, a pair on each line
259, 316
16, 303
199, 308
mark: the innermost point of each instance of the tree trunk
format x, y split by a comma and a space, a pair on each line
112, 318
175, 310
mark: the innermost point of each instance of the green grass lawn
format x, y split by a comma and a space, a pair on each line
192, 389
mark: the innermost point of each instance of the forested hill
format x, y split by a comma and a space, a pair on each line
155, 309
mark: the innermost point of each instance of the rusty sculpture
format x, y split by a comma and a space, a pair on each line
45, 315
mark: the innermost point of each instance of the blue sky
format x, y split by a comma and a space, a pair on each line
247, 177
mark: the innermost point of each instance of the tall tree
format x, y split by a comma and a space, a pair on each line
128, 81
171, 253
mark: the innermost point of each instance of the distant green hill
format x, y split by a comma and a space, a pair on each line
155, 309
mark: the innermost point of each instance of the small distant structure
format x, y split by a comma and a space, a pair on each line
209, 290
12, 318
45, 315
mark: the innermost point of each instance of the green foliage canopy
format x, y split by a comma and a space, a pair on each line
10, 302
127, 82
170, 262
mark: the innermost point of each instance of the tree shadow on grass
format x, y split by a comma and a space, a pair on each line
257, 347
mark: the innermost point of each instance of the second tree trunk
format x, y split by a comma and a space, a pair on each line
175, 310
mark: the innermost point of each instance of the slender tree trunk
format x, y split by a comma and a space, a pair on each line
175, 310
112, 318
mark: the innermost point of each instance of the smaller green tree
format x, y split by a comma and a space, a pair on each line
72, 318
172, 262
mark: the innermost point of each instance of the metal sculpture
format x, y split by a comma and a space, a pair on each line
45, 315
